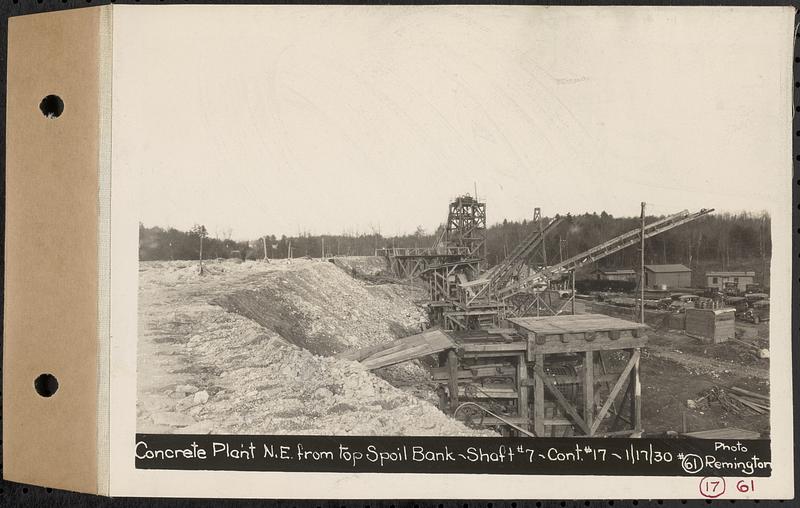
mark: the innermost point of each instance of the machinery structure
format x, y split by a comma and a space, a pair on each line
463, 241
464, 295
510, 358
547, 376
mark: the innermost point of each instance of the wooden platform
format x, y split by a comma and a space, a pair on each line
401, 350
576, 333
724, 433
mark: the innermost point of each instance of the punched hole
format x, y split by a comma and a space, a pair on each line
46, 385
52, 106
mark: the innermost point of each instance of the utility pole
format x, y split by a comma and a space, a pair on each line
537, 212
323, 247
264, 240
641, 278
762, 248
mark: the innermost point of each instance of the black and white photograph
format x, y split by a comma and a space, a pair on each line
453, 222
400, 252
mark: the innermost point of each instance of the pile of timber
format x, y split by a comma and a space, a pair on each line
734, 400
752, 400
401, 350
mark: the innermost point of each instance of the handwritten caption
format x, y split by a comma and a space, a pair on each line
713, 487
677, 457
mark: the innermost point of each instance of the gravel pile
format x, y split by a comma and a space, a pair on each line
205, 369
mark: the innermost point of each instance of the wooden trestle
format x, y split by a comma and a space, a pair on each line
407, 263
547, 375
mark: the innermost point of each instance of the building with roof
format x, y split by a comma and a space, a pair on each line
720, 279
671, 276
615, 274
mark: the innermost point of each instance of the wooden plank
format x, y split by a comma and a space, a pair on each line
588, 390
487, 392
742, 391
492, 421
615, 390
626, 398
522, 422
538, 398
563, 379
452, 365
552, 325
577, 347
494, 347
397, 357
748, 404
522, 388
501, 331
402, 350
434, 336
390, 349
433, 343
562, 401
557, 422
636, 407
724, 433
475, 372
489, 354
625, 432
471, 313
360, 354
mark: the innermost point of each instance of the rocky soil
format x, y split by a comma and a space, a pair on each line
246, 348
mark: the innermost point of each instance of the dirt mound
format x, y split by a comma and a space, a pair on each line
363, 266
277, 387
321, 308
203, 369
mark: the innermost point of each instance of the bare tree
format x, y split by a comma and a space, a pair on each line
200, 231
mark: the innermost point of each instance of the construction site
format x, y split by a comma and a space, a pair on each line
434, 341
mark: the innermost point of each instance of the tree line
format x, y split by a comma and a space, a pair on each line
718, 241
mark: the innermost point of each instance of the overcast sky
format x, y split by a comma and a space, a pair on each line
330, 119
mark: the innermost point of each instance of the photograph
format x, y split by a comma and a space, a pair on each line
449, 223
404, 252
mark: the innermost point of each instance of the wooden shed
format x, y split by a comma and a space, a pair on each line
711, 325
671, 276
615, 274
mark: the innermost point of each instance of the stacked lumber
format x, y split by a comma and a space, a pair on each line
734, 400
754, 401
